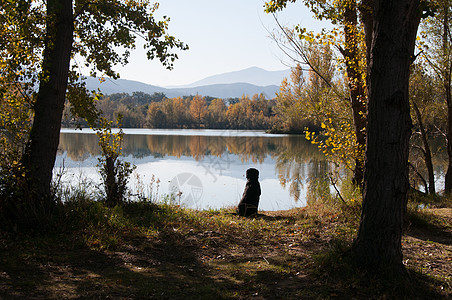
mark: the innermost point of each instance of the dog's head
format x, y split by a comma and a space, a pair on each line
252, 173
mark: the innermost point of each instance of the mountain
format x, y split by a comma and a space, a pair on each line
232, 90
110, 86
253, 75
228, 85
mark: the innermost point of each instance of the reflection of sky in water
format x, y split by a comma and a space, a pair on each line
218, 159
183, 132
222, 179
222, 159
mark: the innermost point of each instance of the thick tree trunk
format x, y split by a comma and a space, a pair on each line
378, 244
41, 150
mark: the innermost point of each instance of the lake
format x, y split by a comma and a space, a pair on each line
202, 169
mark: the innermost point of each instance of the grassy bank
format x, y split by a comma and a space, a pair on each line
144, 250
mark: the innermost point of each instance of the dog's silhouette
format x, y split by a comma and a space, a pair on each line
250, 199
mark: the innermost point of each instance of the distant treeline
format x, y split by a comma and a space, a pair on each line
141, 110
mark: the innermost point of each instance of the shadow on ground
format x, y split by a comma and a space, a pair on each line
194, 264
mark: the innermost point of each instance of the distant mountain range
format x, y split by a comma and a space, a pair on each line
227, 85
253, 75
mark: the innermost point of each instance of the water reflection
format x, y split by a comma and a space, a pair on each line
80, 146
220, 161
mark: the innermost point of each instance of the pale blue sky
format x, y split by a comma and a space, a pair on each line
223, 36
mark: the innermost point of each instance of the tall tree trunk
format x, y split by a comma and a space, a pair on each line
378, 243
41, 150
426, 151
356, 84
365, 9
447, 80
448, 177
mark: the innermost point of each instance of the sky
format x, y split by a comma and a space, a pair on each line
223, 36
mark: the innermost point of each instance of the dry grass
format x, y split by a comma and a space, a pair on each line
144, 251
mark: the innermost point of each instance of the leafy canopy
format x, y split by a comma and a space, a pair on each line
102, 27
105, 33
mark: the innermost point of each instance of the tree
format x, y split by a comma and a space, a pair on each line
96, 30
198, 109
167, 108
438, 53
312, 104
181, 112
356, 74
424, 105
115, 173
40, 154
291, 111
216, 116
386, 184
390, 33
155, 117
130, 117
344, 14
235, 114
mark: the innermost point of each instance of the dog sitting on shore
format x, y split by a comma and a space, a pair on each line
250, 199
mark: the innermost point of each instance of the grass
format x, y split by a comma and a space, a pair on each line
144, 250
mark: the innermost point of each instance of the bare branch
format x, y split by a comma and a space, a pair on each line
424, 182
299, 50
333, 182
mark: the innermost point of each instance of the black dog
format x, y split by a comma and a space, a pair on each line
250, 199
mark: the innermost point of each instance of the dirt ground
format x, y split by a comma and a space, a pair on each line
277, 256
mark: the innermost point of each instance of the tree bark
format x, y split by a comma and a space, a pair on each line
356, 84
42, 147
378, 243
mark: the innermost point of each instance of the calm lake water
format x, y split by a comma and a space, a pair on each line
206, 166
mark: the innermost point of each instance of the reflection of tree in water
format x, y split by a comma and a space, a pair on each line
418, 166
250, 148
298, 162
198, 147
137, 147
291, 172
78, 146
319, 182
